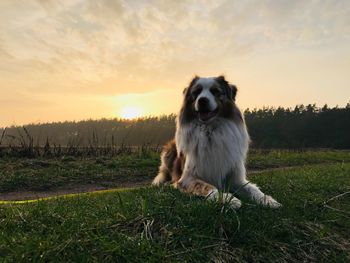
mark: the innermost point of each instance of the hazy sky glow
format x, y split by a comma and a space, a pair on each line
76, 59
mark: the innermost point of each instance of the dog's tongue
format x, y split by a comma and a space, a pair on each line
204, 116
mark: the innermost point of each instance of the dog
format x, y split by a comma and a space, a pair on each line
207, 156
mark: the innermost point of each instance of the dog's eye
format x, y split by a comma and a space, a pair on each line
215, 91
196, 92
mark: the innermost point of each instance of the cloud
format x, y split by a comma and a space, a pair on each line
115, 47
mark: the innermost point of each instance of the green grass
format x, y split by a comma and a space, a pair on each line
38, 174
20, 174
164, 225
262, 159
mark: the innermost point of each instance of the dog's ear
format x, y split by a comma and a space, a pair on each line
193, 81
229, 89
221, 79
233, 89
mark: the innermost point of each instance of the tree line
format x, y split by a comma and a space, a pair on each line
302, 127
299, 127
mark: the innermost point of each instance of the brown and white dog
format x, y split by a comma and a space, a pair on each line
210, 147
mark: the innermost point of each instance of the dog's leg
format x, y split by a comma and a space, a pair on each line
201, 188
188, 183
167, 158
162, 177
244, 188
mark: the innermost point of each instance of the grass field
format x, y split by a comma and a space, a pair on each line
163, 225
42, 174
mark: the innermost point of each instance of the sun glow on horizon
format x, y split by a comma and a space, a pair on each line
147, 104
131, 112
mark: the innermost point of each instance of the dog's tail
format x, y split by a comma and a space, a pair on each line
168, 156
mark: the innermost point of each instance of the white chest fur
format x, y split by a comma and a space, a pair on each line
213, 151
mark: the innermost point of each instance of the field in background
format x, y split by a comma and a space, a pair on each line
163, 225
48, 175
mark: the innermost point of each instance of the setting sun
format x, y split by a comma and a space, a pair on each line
131, 112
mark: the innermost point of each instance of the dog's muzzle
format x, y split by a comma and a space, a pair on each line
204, 111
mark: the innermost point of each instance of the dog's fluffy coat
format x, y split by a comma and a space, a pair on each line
210, 146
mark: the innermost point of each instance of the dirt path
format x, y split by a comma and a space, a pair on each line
86, 188
70, 189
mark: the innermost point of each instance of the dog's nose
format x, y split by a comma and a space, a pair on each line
203, 102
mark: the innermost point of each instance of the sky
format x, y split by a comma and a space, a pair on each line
80, 59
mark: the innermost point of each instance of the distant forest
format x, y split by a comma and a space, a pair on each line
299, 127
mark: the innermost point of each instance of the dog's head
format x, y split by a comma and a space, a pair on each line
208, 98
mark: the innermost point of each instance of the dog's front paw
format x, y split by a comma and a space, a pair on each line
228, 198
270, 202
156, 182
234, 202
180, 186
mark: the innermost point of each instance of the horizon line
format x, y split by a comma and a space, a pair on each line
164, 115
